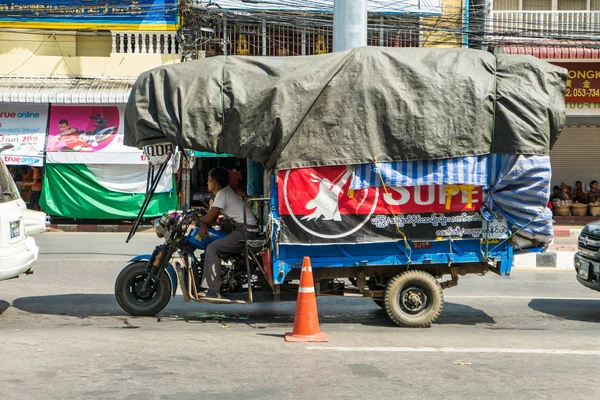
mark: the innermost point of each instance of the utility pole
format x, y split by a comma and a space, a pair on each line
349, 24
489, 24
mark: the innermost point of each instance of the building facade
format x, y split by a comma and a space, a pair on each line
66, 71
244, 28
565, 33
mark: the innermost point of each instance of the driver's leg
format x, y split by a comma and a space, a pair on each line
211, 275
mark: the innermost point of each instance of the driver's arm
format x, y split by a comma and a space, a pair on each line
208, 220
211, 216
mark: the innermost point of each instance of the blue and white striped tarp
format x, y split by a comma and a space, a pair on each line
521, 194
475, 170
518, 186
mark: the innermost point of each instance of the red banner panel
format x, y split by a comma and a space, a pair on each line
316, 205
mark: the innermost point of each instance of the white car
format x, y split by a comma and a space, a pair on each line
18, 251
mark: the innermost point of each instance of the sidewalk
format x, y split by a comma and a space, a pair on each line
559, 256
103, 226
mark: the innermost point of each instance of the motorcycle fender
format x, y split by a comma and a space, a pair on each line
141, 257
170, 270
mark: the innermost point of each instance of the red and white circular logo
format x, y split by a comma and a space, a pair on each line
320, 202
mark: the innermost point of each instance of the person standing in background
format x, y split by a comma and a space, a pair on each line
594, 193
17, 177
235, 178
36, 189
579, 196
13, 171
26, 184
28, 174
564, 192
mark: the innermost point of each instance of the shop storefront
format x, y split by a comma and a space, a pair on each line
82, 75
576, 151
23, 126
574, 169
68, 147
574, 154
90, 173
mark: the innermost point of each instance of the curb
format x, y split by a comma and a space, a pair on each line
565, 232
562, 260
97, 228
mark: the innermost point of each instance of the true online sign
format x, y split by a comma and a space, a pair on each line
12, 114
24, 126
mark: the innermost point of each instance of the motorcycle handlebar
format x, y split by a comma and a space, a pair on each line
196, 213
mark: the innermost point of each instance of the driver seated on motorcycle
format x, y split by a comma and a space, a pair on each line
228, 203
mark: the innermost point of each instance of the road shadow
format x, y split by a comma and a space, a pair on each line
105, 305
452, 314
275, 335
459, 314
4, 305
331, 311
74, 305
572, 310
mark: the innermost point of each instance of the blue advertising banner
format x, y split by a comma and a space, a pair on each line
90, 14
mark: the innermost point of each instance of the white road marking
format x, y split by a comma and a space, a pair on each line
459, 350
519, 298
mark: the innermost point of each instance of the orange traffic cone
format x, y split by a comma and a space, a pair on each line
306, 320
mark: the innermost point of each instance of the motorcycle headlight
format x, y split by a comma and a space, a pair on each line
159, 229
163, 224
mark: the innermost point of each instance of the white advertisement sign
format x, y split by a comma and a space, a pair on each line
24, 127
582, 109
89, 135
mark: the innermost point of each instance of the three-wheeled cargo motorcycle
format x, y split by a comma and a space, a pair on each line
395, 170
399, 273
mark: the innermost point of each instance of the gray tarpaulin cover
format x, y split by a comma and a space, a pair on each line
358, 106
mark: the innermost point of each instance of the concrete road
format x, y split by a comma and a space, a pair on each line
63, 336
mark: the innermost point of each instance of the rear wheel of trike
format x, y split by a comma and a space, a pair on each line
129, 284
413, 299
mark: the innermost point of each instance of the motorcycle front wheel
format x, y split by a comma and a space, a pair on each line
129, 284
